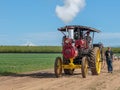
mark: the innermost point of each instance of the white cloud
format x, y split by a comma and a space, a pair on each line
33, 39
69, 10
108, 39
29, 43
54, 38
44, 38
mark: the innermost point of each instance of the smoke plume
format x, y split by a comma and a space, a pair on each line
69, 10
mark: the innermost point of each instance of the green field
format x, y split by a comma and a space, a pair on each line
17, 63
12, 63
117, 54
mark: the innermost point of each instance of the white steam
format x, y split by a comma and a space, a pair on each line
70, 9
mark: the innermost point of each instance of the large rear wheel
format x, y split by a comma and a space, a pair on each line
84, 67
58, 67
95, 61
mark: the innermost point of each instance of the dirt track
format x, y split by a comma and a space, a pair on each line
45, 80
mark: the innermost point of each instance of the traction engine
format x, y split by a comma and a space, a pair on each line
78, 51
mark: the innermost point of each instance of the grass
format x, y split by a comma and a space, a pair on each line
117, 54
18, 63
12, 63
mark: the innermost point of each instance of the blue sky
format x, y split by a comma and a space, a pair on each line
35, 21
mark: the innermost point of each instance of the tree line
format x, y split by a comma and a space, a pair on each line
39, 49
30, 49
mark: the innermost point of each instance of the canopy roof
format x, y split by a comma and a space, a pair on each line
84, 28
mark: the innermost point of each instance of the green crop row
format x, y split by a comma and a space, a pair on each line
114, 49
38, 49
30, 49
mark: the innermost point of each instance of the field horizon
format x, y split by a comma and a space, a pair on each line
40, 49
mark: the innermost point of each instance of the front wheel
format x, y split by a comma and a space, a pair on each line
58, 67
84, 67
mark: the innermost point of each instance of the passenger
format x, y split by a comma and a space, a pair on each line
88, 39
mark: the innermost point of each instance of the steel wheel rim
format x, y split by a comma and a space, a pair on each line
98, 63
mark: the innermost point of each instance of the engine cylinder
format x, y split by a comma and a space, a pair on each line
69, 52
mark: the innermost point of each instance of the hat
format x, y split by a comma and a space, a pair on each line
88, 32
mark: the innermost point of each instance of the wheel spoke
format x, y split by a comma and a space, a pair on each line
84, 68
58, 67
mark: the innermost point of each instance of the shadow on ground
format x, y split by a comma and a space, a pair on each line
36, 74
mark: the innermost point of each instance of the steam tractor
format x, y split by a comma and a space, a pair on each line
78, 51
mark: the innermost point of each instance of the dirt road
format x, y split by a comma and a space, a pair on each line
45, 80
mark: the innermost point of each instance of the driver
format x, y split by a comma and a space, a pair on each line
88, 38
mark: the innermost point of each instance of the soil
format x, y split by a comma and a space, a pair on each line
46, 80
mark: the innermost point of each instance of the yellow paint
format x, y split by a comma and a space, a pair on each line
71, 65
98, 62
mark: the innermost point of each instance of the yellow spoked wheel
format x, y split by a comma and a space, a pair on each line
96, 59
84, 67
58, 67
